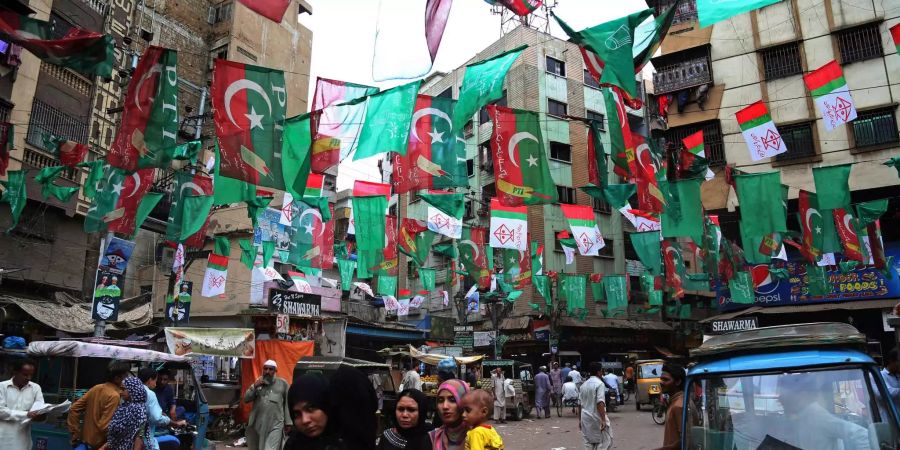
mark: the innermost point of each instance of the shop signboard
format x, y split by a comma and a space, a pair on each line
236, 342
729, 325
298, 304
464, 336
484, 338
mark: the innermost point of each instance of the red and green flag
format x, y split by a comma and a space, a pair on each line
831, 94
270, 9
895, 35
585, 229
312, 240
436, 155
150, 123
509, 226
338, 111
473, 255
812, 225
622, 147
366, 188
516, 267
483, 83
249, 106
759, 131
83, 51
334, 92
118, 200
415, 240
181, 212
674, 264
693, 161
847, 227
520, 161
386, 127
651, 169
15, 194
518, 7
216, 274
598, 172
69, 153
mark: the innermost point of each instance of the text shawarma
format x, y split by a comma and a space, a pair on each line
299, 309
734, 325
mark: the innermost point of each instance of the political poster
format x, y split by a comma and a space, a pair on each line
110, 279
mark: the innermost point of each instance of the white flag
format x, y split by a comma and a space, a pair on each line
441, 223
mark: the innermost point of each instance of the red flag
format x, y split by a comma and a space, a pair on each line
133, 190
432, 158
812, 230
846, 228
650, 197
325, 241
473, 256
436, 14
674, 267
270, 9
6, 145
875, 245
369, 188
72, 153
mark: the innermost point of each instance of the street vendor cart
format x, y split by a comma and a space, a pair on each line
521, 406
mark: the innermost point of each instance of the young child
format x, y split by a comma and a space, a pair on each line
481, 436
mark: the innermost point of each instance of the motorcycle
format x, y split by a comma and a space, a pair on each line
612, 400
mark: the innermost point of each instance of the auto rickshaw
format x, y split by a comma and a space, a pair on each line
521, 406
647, 391
806, 386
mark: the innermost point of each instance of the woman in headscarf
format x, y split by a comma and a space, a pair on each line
452, 434
411, 432
129, 423
336, 413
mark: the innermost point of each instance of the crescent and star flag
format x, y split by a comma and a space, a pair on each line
338, 111
846, 228
473, 255
516, 267
436, 156
598, 171
584, 228
622, 151
712, 11
482, 84
216, 274
692, 159
314, 185
150, 115
509, 226
117, 200
833, 185
386, 127
760, 134
520, 161
270, 9
829, 90
83, 51
674, 267
249, 106
312, 236
415, 240
518, 7
612, 42
70, 153
186, 184
811, 222
651, 167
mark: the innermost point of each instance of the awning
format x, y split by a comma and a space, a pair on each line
432, 360
813, 307
625, 324
75, 317
77, 349
385, 333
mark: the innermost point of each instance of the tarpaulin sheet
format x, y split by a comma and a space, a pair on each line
284, 353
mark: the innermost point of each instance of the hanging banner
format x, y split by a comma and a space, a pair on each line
110, 279
298, 304
180, 311
234, 342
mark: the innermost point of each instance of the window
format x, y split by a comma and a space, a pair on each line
782, 61
875, 127
219, 13
712, 139
556, 67
601, 206
682, 70
467, 130
560, 151
593, 115
557, 108
447, 93
487, 157
860, 43
470, 210
798, 139
470, 167
483, 116
687, 10
607, 250
46, 119
566, 194
590, 81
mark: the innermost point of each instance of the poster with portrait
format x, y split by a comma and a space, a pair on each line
110, 279
180, 311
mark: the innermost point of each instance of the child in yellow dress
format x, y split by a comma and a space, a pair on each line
481, 436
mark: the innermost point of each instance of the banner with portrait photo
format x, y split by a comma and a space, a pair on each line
110, 279
182, 305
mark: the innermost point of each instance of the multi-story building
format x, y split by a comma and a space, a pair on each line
707, 74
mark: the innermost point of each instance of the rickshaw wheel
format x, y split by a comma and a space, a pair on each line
520, 412
637, 404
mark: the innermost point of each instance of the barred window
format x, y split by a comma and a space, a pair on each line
556, 67
712, 139
600, 118
860, 43
607, 250
682, 70
566, 194
782, 61
687, 10
557, 108
590, 81
601, 206
46, 119
875, 127
560, 151
798, 139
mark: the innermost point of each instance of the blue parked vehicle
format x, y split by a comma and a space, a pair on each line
808, 387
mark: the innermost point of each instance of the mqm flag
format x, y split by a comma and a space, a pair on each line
473, 255
436, 156
83, 51
270, 9
249, 106
443, 223
386, 126
519, 7
568, 245
516, 267
693, 160
811, 222
622, 151
674, 267
415, 240
759, 132
186, 184
598, 171
829, 90
712, 11
483, 83
509, 226
150, 116
70, 153
216, 275
846, 228
520, 161
584, 228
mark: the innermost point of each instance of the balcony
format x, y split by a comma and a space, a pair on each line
682, 70
46, 119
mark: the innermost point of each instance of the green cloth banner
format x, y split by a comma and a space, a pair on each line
542, 285
368, 215
386, 126
145, 207
15, 195
712, 11
763, 209
616, 289
573, 290
268, 249
296, 157
482, 83
647, 247
683, 213
741, 287
346, 268
222, 246
194, 214
869, 212
387, 285
833, 186
428, 278
451, 204
248, 252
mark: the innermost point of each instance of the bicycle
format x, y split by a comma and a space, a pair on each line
574, 404
659, 409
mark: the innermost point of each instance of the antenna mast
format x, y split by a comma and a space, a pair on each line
538, 20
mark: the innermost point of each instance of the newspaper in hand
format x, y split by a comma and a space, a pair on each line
52, 410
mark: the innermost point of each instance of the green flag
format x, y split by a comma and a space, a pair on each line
612, 43
648, 285
482, 84
646, 245
711, 245
95, 176
346, 268
598, 171
295, 161
387, 285
255, 206
268, 249
542, 286
817, 280
572, 289
447, 249
617, 195
15, 194
895, 163
388, 116
81, 50
763, 209
194, 215
741, 287
696, 282
46, 178
683, 213
105, 199
248, 252
187, 184
428, 278
751, 245
222, 246
228, 190
368, 216
597, 290
537, 258
452, 204
616, 289
145, 207
832, 186
712, 11
869, 212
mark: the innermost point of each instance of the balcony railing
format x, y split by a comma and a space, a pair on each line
46, 119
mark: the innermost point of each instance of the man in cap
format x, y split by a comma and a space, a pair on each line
269, 419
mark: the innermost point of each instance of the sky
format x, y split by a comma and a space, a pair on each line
344, 43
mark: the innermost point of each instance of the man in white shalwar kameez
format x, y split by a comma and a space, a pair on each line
19, 397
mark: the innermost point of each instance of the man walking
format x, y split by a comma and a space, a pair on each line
411, 379
499, 391
672, 382
891, 375
556, 381
18, 397
542, 393
269, 419
89, 416
594, 423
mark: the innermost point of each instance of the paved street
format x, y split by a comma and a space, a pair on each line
632, 430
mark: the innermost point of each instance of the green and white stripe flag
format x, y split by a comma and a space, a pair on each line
829, 90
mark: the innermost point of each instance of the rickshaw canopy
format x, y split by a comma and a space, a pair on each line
78, 349
432, 360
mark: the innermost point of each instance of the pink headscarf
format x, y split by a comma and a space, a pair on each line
445, 437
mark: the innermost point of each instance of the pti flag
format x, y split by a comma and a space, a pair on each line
150, 115
70, 153
270, 9
829, 90
509, 226
312, 240
519, 7
249, 106
117, 200
846, 228
650, 164
674, 267
436, 156
811, 221
520, 162
693, 160
473, 255
516, 267
187, 184
759, 132
584, 228
415, 240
